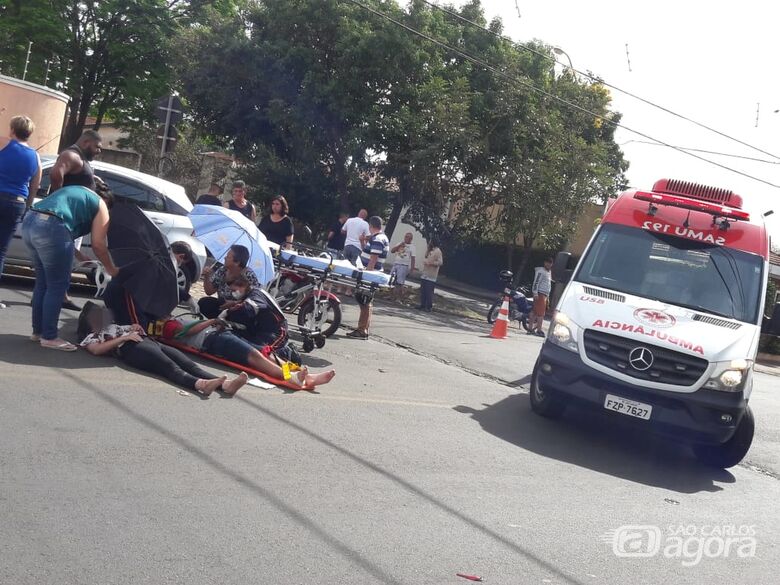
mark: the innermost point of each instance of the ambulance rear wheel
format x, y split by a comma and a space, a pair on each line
544, 402
732, 451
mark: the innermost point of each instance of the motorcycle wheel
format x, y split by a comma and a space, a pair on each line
330, 322
524, 321
492, 313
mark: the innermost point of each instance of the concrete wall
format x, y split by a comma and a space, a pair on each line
45, 106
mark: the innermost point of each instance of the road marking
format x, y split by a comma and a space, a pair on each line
45, 376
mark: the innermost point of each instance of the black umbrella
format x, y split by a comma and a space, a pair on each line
147, 269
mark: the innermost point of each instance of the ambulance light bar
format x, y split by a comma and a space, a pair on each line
697, 191
707, 207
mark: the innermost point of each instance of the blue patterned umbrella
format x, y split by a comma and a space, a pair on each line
219, 228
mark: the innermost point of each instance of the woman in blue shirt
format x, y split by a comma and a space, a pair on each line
20, 175
49, 229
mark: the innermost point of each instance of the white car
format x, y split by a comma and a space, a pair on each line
165, 203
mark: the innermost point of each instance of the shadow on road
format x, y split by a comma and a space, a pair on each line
602, 443
459, 323
19, 350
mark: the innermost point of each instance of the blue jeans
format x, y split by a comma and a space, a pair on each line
226, 345
352, 253
51, 248
426, 294
11, 210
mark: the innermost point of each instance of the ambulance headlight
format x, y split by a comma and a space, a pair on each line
563, 333
729, 376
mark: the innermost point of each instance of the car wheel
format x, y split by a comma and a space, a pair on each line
184, 278
732, 451
545, 403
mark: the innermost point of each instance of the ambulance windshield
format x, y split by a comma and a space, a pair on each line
705, 277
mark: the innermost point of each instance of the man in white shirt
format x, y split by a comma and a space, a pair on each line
403, 264
541, 291
356, 231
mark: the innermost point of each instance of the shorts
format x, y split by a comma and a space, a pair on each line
540, 305
401, 271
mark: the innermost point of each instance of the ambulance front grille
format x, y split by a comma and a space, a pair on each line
668, 366
597, 292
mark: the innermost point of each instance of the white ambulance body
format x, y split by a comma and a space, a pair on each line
661, 319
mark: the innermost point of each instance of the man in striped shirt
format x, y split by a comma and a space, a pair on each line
374, 255
541, 291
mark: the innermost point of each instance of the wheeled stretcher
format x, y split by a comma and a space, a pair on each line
314, 267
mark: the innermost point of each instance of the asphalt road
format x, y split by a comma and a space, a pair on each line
420, 460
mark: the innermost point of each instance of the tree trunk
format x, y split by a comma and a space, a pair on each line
395, 215
510, 251
71, 132
403, 195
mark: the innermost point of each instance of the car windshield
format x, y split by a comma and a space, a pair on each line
677, 271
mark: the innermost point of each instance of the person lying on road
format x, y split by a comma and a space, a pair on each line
101, 336
209, 336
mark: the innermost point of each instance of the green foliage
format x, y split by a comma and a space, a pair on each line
335, 107
769, 298
186, 159
111, 56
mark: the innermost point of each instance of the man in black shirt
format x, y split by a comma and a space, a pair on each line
336, 237
212, 197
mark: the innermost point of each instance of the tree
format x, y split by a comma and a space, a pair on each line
186, 160
110, 56
294, 84
542, 162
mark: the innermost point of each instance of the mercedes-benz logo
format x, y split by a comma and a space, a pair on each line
640, 358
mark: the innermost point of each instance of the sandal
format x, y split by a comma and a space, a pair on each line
58, 344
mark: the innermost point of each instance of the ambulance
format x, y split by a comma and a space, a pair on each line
660, 320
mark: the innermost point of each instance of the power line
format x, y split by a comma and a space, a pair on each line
526, 47
750, 158
532, 87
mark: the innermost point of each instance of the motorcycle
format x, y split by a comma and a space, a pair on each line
520, 302
317, 309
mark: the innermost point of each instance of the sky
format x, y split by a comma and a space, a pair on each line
709, 61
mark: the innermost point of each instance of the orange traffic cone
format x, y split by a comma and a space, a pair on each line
501, 325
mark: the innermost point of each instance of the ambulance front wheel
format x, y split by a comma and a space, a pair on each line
732, 451
545, 403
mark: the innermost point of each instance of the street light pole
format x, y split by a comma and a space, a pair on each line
558, 51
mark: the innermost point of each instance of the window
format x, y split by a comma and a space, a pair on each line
673, 270
130, 191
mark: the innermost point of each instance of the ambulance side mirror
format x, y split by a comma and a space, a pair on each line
563, 268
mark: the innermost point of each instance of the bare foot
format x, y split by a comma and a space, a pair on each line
321, 378
231, 387
206, 387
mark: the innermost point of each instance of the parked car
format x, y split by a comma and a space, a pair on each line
165, 203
